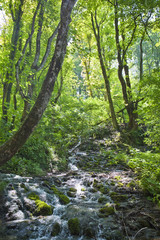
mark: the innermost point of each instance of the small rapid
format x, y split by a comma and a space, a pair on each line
83, 205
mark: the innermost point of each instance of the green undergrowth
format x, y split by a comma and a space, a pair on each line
147, 166
33, 159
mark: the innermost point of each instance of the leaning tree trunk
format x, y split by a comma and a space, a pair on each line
8, 150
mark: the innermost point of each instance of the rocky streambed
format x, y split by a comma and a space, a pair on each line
78, 204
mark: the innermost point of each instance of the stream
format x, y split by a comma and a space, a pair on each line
105, 205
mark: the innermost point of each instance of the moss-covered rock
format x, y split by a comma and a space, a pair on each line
56, 229
42, 208
63, 199
104, 189
107, 210
22, 185
71, 194
33, 196
100, 187
102, 200
72, 189
55, 190
89, 232
74, 226
118, 197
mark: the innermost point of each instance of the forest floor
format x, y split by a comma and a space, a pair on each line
103, 194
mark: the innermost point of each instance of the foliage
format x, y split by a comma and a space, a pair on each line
32, 159
150, 109
147, 166
3, 185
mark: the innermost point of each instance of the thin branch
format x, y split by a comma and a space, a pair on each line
11, 10
38, 68
132, 36
39, 33
110, 2
30, 35
23, 52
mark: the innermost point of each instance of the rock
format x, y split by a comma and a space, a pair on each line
42, 208
74, 226
33, 196
71, 194
64, 199
89, 232
102, 200
118, 197
72, 189
107, 210
22, 185
56, 229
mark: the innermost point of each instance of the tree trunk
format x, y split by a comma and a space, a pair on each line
8, 150
7, 87
125, 81
105, 76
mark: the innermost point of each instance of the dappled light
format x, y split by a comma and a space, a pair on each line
79, 120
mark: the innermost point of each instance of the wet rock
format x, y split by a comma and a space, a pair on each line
22, 185
63, 199
71, 194
115, 234
103, 200
56, 229
118, 197
89, 232
33, 196
74, 226
107, 210
42, 208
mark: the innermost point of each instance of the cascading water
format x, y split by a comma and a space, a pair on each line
90, 200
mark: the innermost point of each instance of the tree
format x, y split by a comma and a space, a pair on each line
8, 149
96, 30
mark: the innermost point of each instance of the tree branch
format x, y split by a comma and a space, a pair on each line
39, 33
38, 68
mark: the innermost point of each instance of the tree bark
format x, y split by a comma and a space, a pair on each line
8, 150
105, 76
7, 87
122, 65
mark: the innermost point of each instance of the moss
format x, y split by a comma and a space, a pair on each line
56, 229
43, 208
74, 226
107, 210
118, 197
71, 194
100, 187
104, 189
120, 184
55, 190
89, 232
33, 196
63, 199
22, 185
102, 200
72, 189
